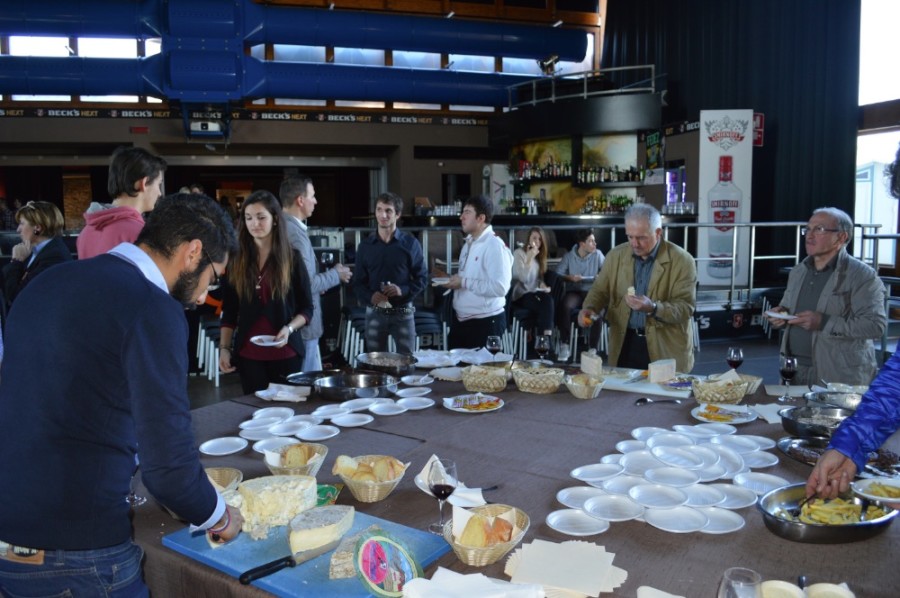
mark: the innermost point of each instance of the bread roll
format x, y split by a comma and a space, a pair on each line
476, 533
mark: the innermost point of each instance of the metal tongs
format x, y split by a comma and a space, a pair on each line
795, 512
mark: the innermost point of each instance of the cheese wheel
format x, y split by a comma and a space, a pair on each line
271, 501
319, 526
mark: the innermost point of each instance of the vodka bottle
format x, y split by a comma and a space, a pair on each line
724, 206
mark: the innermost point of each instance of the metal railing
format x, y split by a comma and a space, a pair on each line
579, 85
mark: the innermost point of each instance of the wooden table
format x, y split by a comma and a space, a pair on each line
528, 449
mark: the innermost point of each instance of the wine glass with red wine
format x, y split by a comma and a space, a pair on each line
442, 482
326, 259
542, 345
493, 345
788, 369
734, 357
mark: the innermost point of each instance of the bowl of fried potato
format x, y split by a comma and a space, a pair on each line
370, 477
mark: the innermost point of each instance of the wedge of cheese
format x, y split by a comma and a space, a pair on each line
662, 370
319, 526
271, 501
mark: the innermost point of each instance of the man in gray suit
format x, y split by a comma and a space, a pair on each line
298, 198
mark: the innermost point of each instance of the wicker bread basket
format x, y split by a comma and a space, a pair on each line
715, 392
538, 380
371, 491
479, 557
753, 382
484, 379
226, 477
310, 469
583, 386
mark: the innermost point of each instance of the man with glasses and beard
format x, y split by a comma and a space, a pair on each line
96, 372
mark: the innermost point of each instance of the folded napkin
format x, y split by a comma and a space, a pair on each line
572, 569
284, 392
769, 412
648, 592
463, 496
482, 356
449, 584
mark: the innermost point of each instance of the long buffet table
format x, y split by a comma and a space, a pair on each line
528, 448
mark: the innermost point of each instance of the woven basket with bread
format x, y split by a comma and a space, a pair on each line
224, 478
304, 458
714, 391
753, 382
583, 386
538, 380
484, 379
487, 537
370, 477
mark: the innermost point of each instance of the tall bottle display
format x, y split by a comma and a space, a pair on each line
724, 204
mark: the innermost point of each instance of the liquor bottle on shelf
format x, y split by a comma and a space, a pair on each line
724, 204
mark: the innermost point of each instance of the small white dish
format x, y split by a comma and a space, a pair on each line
630, 446
864, 488
623, 483
710, 473
721, 521
254, 434
260, 423
637, 462
645, 432
738, 444
352, 420
575, 522
329, 411
732, 415
669, 439
282, 412
358, 404
613, 507
289, 429
717, 428
575, 497
416, 403
264, 340
677, 456
318, 433
304, 418
729, 459
440, 280
735, 496
703, 495
761, 441
709, 456
414, 380
227, 445
677, 520
695, 432
386, 408
416, 391
672, 476
596, 472
759, 482
273, 444
612, 458
780, 316
760, 459
657, 496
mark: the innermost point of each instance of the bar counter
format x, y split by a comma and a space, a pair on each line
528, 448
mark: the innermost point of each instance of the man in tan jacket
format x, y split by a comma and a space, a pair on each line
648, 288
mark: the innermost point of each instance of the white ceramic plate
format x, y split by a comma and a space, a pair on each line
669, 439
760, 459
678, 520
449, 403
762, 442
596, 472
703, 495
630, 446
290, 429
418, 391
735, 496
780, 316
717, 428
613, 458
357, 404
645, 432
304, 418
637, 462
729, 459
709, 456
711, 472
735, 416
264, 340
678, 456
613, 507
576, 522
672, 476
575, 497
450, 374
260, 423
386, 408
329, 411
863, 488
227, 445
255, 434
759, 482
657, 496
623, 483
721, 521
440, 280
417, 380
416, 403
318, 433
738, 444
273, 444
282, 412
352, 420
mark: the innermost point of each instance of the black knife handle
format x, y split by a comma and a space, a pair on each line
267, 569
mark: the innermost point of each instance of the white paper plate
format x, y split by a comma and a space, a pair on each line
288, 429
678, 456
729, 459
260, 423
227, 445
282, 412
672, 476
721, 521
717, 428
386, 408
678, 520
735, 496
304, 418
709, 456
417, 391
352, 420
575, 522
760, 459
450, 401
416, 403
612, 458
450, 374
417, 380
440, 280
711, 472
760, 483
736, 418
254, 434
264, 340
273, 444
357, 404
657, 496
863, 488
669, 439
318, 433
637, 462
623, 483
762, 442
780, 316
613, 507
630, 446
596, 473
329, 411
645, 432
737, 443
703, 495
575, 497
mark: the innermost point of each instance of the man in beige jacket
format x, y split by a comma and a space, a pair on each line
648, 288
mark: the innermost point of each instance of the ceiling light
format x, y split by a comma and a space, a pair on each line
558, 23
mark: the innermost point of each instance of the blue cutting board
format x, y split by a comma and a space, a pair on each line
306, 579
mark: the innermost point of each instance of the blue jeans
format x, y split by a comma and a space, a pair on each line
380, 325
113, 572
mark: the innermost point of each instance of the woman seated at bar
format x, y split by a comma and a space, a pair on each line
578, 268
268, 296
529, 291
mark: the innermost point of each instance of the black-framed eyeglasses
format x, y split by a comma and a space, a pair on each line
817, 230
216, 283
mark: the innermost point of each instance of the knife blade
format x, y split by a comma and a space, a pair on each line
290, 560
636, 378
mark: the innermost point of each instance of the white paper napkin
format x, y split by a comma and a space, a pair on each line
449, 584
284, 392
463, 496
648, 592
769, 412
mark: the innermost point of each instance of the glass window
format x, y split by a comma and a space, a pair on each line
417, 60
521, 66
20, 45
464, 62
288, 53
874, 203
152, 46
359, 57
354, 104
471, 108
101, 47
877, 52
565, 67
408, 106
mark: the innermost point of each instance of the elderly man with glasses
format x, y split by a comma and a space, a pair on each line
837, 303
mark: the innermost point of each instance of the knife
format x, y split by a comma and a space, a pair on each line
635, 378
290, 560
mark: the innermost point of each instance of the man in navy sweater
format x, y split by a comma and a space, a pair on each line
94, 374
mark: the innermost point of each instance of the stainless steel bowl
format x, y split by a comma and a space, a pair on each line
395, 364
355, 386
843, 400
788, 497
796, 420
309, 378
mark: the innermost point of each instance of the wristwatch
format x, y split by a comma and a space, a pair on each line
653, 312
290, 328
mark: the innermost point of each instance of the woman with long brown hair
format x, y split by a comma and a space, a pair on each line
267, 299
529, 289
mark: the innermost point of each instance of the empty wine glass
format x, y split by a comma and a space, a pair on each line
493, 344
134, 499
326, 258
442, 481
734, 357
739, 582
787, 369
542, 345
